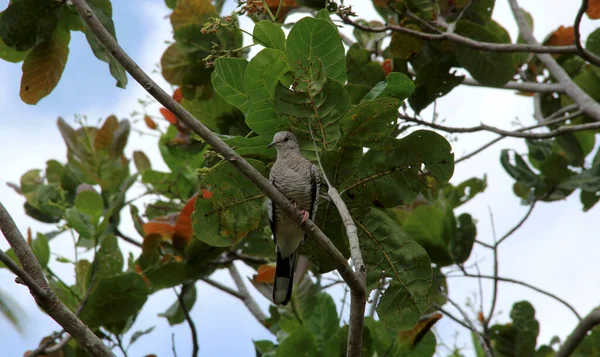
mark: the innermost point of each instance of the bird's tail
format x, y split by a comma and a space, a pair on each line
284, 278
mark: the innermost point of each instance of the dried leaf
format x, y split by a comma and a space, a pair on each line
563, 36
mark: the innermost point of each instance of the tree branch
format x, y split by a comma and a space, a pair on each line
32, 276
484, 46
218, 145
580, 332
246, 297
189, 320
521, 86
223, 288
126, 238
585, 54
588, 105
480, 337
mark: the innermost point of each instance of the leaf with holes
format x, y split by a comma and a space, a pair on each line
44, 66
234, 210
398, 172
389, 252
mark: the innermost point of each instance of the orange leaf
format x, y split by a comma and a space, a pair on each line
163, 228
266, 274
480, 317
563, 36
593, 10
171, 118
29, 239
206, 194
177, 95
387, 66
183, 226
418, 332
149, 122
104, 136
138, 270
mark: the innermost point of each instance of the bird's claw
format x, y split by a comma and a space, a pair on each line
302, 212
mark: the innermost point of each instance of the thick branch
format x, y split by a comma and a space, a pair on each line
218, 145
189, 320
587, 55
43, 295
484, 46
580, 332
581, 98
245, 295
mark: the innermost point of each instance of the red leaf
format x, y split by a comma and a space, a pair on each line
171, 118
266, 274
183, 227
164, 226
206, 194
593, 10
563, 36
177, 95
388, 66
149, 122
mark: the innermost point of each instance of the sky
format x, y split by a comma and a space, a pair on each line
552, 250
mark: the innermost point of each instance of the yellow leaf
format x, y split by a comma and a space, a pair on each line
192, 12
44, 66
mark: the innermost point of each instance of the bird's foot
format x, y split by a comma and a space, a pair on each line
304, 213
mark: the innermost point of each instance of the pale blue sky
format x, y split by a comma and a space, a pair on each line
553, 250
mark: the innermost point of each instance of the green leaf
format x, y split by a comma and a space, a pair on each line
433, 228
253, 148
228, 81
389, 252
588, 199
41, 249
270, 35
136, 335
404, 46
388, 342
301, 343
592, 43
519, 338
488, 68
175, 314
369, 123
11, 55
80, 222
322, 320
396, 85
103, 10
44, 66
234, 210
262, 74
142, 163
465, 191
27, 23
312, 40
587, 180
323, 110
91, 204
115, 300
11, 254
390, 177
109, 259
462, 243
362, 72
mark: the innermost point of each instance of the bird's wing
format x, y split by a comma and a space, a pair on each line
315, 183
271, 211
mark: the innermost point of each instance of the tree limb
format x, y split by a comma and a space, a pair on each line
580, 332
521, 86
585, 54
189, 320
32, 276
484, 46
218, 145
223, 288
588, 105
246, 297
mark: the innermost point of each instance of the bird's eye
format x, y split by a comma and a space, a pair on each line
286, 139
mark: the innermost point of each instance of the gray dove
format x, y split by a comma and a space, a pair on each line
298, 179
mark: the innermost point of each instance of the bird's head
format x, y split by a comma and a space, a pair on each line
285, 141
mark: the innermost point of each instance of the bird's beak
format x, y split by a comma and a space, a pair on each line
271, 144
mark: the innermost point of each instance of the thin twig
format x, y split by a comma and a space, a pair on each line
518, 225
454, 318
580, 332
42, 348
483, 46
218, 145
189, 320
585, 54
126, 238
488, 319
223, 288
480, 337
374, 303
246, 297
586, 103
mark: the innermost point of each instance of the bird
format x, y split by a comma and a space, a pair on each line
299, 180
